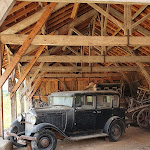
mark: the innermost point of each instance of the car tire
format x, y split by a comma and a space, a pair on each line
13, 140
115, 131
46, 140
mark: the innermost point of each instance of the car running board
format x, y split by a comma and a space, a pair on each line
77, 138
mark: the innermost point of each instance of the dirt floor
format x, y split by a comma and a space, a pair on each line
133, 139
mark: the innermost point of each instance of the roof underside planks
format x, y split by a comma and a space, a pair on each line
61, 22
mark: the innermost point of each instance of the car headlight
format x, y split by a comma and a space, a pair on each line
33, 119
19, 117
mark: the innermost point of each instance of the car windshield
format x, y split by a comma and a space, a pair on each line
62, 101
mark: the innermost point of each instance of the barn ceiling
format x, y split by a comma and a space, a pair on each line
103, 40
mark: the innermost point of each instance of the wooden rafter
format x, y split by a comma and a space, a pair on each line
141, 20
138, 12
27, 43
100, 10
28, 68
120, 16
75, 10
30, 20
5, 7
32, 79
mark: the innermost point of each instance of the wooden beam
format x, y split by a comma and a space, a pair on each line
100, 10
89, 59
34, 88
27, 43
88, 69
120, 16
19, 6
32, 79
76, 22
30, 20
1, 93
75, 10
141, 20
5, 7
96, 1
66, 40
28, 68
21, 98
84, 75
139, 11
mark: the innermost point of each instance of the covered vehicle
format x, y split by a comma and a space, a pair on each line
75, 115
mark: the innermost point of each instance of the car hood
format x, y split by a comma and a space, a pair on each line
56, 115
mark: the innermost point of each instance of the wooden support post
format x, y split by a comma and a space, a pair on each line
28, 104
11, 84
1, 93
21, 97
127, 19
27, 43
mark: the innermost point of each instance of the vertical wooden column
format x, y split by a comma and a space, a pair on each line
21, 97
29, 88
11, 84
1, 92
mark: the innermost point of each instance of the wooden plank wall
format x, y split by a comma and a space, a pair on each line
49, 86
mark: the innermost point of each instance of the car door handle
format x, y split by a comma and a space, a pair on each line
99, 112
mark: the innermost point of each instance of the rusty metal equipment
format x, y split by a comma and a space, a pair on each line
139, 109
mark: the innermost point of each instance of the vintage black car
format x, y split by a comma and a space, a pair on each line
74, 115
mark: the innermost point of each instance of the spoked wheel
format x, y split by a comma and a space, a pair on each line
143, 118
46, 140
115, 131
14, 140
134, 116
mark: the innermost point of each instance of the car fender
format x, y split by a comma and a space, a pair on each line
38, 127
110, 120
21, 127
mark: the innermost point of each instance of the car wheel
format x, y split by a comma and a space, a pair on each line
13, 139
46, 140
115, 131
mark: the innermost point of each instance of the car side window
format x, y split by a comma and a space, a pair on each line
115, 101
104, 101
84, 102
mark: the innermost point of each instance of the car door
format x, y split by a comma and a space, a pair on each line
103, 110
85, 114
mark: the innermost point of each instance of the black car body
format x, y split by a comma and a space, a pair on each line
74, 115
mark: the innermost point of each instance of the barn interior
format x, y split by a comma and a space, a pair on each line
52, 45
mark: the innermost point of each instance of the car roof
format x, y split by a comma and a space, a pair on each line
72, 93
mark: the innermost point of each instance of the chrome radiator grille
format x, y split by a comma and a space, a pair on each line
28, 125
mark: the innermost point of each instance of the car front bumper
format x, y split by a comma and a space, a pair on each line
22, 137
